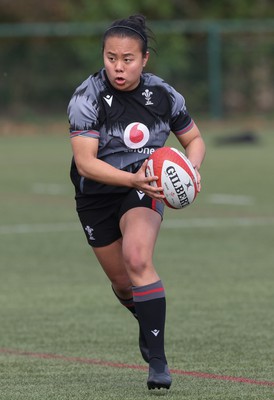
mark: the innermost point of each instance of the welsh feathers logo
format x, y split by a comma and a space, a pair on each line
148, 95
136, 135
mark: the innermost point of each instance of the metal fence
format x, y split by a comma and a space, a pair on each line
222, 67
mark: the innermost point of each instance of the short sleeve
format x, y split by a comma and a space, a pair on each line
181, 121
83, 116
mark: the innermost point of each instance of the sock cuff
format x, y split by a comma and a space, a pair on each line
148, 292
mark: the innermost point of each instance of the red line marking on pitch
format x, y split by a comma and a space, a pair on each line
195, 374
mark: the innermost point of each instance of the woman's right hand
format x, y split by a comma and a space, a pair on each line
144, 183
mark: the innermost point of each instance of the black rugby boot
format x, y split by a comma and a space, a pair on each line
159, 375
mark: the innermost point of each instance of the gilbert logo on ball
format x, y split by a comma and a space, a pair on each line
176, 175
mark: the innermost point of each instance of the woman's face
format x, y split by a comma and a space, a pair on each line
124, 62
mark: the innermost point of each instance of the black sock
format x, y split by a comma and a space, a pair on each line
150, 305
129, 304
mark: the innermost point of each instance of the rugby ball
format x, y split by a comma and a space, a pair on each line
176, 175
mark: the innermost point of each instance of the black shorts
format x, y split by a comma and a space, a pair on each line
100, 214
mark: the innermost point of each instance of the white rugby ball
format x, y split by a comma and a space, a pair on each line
176, 175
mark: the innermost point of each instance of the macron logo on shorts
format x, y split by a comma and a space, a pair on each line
140, 194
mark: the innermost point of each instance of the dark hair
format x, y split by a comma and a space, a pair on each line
133, 26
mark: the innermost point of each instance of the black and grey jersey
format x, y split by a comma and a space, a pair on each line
129, 125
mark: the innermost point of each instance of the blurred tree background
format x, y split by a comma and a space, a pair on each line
39, 72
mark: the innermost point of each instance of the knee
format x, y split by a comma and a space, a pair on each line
122, 286
135, 262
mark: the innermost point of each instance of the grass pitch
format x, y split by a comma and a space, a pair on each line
62, 333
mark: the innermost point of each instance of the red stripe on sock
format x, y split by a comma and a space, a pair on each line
148, 292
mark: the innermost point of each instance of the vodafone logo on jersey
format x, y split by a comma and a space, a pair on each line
136, 135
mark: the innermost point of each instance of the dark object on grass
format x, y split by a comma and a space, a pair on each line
247, 137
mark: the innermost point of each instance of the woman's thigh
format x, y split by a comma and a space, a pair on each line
140, 228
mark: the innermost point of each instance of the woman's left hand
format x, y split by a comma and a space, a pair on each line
198, 176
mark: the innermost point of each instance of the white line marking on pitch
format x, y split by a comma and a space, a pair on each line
39, 228
217, 222
53, 189
167, 224
231, 199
